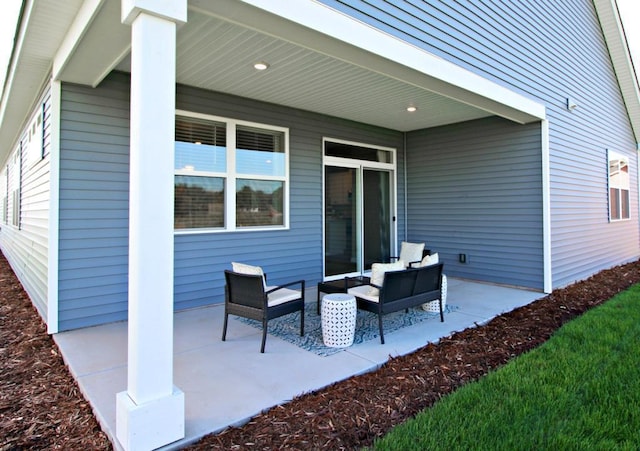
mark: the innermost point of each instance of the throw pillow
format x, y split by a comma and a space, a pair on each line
249, 269
430, 260
410, 252
377, 274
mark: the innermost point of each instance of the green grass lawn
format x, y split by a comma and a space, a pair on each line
578, 391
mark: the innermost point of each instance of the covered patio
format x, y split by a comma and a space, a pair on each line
323, 66
226, 383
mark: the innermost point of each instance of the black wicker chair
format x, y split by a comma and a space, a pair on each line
246, 296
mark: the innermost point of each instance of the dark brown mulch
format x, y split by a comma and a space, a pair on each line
41, 406
40, 403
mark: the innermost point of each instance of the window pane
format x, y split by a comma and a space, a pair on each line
259, 203
614, 202
200, 157
194, 130
199, 202
260, 152
624, 204
334, 149
200, 145
619, 174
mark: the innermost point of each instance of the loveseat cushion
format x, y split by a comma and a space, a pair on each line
430, 260
364, 292
377, 274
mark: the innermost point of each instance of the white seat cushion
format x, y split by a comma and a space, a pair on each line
377, 273
242, 268
364, 292
430, 260
410, 252
281, 296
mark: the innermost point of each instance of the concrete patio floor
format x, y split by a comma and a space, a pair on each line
227, 383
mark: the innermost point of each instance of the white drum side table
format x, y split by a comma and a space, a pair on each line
338, 320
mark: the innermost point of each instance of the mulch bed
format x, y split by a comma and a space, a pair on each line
41, 406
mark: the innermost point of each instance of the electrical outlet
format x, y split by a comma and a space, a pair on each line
462, 258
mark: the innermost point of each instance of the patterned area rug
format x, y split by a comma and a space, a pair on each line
288, 327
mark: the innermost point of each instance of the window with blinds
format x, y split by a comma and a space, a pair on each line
260, 152
200, 131
208, 171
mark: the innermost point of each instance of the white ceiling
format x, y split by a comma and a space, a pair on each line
217, 55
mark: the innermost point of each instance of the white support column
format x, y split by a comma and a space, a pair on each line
54, 209
546, 207
150, 413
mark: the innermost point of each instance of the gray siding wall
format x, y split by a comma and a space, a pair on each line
26, 246
547, 50
94, 202
476, 188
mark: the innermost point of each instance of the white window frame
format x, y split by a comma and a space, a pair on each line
391, 167
620, 184
14, 185
4, 189
231, 176
33, 140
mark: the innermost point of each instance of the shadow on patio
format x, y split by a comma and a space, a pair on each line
226, 383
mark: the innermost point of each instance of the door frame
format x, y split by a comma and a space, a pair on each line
360, 165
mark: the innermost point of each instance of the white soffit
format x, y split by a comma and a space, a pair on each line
96, 42
316, 27
218, 55
619, 51
42, 28
305, 79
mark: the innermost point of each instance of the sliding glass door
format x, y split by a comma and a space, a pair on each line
358, 213
376, 215
341, 222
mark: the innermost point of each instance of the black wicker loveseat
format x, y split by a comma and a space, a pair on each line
401, 290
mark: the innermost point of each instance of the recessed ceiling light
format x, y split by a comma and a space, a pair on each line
411, 108
261, 65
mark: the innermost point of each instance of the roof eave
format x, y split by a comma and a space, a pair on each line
30, 65
616, 41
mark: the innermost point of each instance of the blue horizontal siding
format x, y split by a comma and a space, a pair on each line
285, 255
475, 188
549, 51
94, 185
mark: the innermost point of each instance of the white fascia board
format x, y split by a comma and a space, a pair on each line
449, 79
616, 41
88, 12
